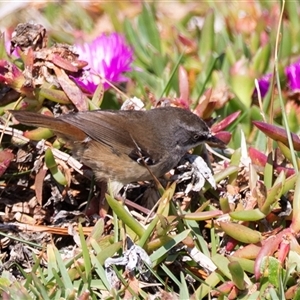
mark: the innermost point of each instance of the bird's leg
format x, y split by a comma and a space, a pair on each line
103, 205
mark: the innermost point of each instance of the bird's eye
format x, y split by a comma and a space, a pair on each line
196, 137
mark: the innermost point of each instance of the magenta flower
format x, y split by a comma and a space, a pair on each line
108, 57
292, 73
264, 84
7, 45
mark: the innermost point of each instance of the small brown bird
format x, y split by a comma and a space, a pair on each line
117, 145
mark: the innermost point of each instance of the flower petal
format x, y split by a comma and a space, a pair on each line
293, 75
108, 56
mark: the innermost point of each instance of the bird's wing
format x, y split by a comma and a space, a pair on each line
114, 130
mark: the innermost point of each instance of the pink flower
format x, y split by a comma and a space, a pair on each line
108, 57
293, 76
292, 73
264, 83
7, 44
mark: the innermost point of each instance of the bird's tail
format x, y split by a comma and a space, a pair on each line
58, 125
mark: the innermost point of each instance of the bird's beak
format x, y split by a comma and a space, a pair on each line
213, 141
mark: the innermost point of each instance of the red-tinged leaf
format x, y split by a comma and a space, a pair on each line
231, 244
38, 134
86, 295
45, 111
287, 171
10, 75
80, 64
189, 43
277, 133
294, 244
64, 63
268, 248
5, 158
249, 251
200, 108
209, 109
183, 103
183, 85
71, 89
25, 104
291, 292
225, 122
133, 283
258, 158
233, 294
224, 288
283, 251
28, 59
224, 136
